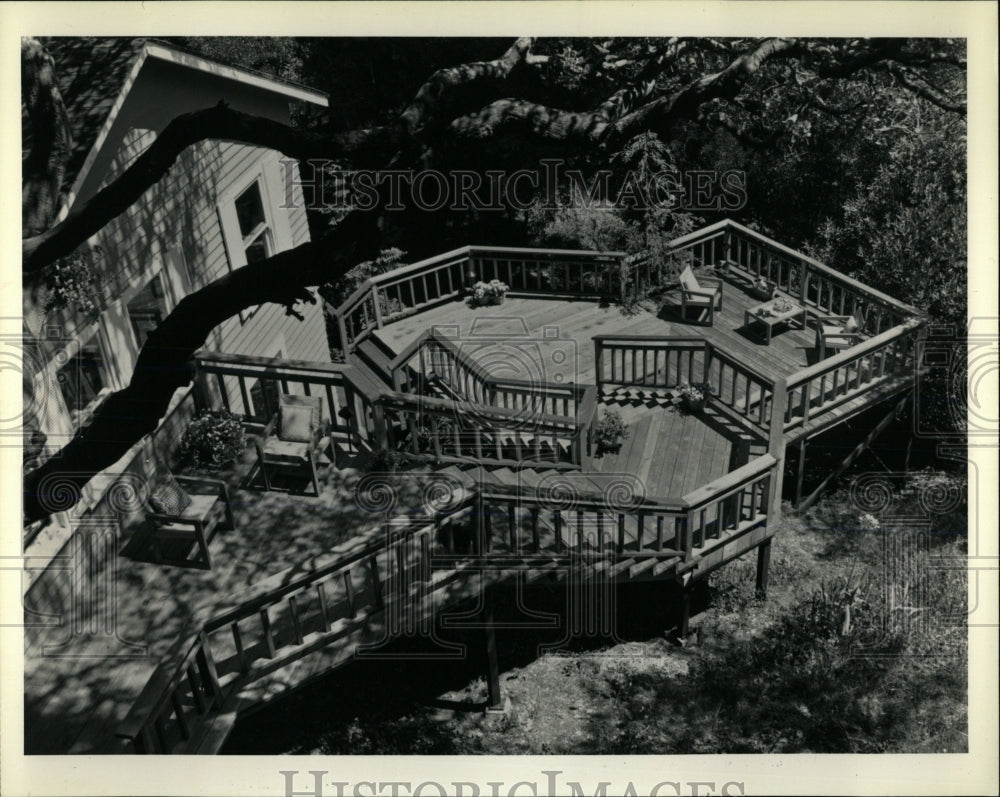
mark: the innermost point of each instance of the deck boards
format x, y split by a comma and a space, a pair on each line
665, 449
579, 321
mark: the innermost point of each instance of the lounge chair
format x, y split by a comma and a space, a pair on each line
187, 509
836, 332
292, 438
704, 294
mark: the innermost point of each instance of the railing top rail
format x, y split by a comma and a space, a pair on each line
729, 482
206, 360
653, 339
401, 275
589, 254
411, 348
582, 500
696, 235
863, 348
420, 265
360, 294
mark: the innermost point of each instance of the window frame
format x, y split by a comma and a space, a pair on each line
158, 277
277, 226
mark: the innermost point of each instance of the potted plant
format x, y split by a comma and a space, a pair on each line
695, 397
487, 293
609, 431
214, 439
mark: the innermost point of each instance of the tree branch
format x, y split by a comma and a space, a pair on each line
435, 97
663, 114
924, 89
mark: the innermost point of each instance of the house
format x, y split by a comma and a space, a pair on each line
221, 206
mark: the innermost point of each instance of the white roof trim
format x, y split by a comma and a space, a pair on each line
154, 50
165, 53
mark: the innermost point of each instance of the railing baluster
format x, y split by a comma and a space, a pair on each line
265, 621
512, 535
293, 610
241, 656
182, 722
324, 609
197, 688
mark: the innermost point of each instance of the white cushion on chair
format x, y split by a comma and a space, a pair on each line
688, 280
276, 450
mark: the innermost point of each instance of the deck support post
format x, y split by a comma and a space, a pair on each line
493, 702
684, 625
776, 448
763, 565
801, 471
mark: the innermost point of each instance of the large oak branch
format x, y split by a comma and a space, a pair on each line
614, 119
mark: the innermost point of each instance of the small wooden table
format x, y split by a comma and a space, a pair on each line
770, 314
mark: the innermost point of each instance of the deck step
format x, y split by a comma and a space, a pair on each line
374, 355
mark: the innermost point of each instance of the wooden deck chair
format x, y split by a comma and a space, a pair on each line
187, 509
837, 332
704, 294
292, 438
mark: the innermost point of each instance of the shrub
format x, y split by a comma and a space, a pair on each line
214, 439
610, 430
387, 460
73, 280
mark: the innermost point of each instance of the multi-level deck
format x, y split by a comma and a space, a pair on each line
494, 409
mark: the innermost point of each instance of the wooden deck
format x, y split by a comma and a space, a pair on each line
526, 338
672, 453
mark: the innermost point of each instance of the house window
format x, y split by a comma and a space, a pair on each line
83, 378
254, 226
254, 229
147, 310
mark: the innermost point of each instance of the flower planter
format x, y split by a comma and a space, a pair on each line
487, 294
696, 405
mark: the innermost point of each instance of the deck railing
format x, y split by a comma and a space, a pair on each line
249, 386
431, 429
282, 619
434, 356
428, 427
852, 373
815, 286
662, 363
386, 577
410, 289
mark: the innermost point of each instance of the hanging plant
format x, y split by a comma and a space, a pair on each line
72, 280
